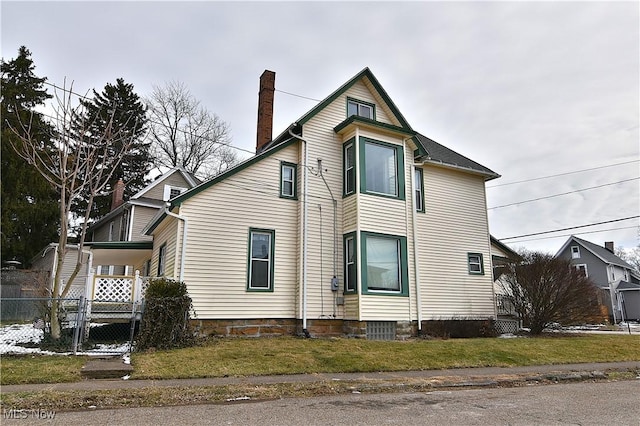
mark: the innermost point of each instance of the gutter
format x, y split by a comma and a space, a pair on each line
305, 236
183, 249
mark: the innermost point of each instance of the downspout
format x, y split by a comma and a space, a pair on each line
416, 261
305, 229
183, 249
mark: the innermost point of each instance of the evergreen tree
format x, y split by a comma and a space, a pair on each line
117, 110
30, 216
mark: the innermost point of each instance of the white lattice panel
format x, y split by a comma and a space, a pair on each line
75, 292
113, 289
145, 284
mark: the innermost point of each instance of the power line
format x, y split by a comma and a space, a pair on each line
297, 96
564, 193
571, 227
576, 233
563, 174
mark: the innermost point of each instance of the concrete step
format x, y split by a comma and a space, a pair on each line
105, 368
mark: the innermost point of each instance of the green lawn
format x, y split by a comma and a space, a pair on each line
290, 355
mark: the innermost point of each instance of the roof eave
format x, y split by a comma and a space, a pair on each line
439, 163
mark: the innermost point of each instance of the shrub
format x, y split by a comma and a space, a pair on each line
459, 328
166, 318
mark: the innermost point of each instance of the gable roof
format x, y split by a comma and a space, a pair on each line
189, 177
368, 75
174, 202
600, 252
438, 154
507, 250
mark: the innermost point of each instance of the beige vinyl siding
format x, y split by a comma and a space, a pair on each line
219, 222
455, 223
360, 91
377, 214
497, 251
167, 233
389, 216
157, 192
141, 217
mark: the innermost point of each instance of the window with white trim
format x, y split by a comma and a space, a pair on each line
261, 254
575, 252
171, 192
582, 268
111, 229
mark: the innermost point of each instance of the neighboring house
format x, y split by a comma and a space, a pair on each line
348, 222
127, 219
619, 282
47, 261
115, 243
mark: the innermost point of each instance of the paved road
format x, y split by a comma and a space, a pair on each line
562, 404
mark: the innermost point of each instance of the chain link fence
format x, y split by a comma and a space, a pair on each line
87, 326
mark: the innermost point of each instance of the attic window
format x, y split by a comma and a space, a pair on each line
575, 252
360, 108
171, 192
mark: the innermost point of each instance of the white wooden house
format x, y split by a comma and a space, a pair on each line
348, 222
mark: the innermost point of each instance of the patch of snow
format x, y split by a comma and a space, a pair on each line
126, 377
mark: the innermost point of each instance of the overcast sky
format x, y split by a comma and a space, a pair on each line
528, 89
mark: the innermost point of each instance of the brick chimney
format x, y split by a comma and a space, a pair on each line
265, 109
609, 246
118, 195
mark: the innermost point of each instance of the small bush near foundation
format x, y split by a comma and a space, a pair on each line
459, 328
166, 319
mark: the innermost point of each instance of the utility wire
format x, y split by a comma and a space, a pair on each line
564, 193
575, 233
563, 174
297, 96
571, 227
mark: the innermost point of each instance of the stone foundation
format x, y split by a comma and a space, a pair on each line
293, 327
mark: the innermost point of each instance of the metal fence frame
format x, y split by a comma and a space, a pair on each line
76, 313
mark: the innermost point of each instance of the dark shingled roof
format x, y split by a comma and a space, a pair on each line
625, 285
441, 154
603, 253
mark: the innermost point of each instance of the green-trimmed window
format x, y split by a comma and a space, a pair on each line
381, 168
288, 180
261, 255
162, 258
384, 264
419, 190
349, 161
360, 108
476, 266
350, 264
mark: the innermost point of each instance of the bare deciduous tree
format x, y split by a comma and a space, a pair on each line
631, 256
186, 134
544, 289
78, 165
